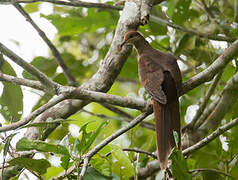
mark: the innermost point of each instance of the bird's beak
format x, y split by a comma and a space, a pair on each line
123, 43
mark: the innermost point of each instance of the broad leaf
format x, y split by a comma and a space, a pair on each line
179, 165
24, 145
102, 165
11, 94
92, 174
37, 165
123, 167
47, 66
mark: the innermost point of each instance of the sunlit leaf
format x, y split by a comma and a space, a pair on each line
179, 165
125, 168
102, 165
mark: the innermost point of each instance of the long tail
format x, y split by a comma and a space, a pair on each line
167, 120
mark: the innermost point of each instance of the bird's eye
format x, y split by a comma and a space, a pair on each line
131, 36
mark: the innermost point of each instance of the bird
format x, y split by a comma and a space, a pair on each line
161, 77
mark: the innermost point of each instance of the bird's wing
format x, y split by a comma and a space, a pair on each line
152, 77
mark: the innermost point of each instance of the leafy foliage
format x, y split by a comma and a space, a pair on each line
83, 38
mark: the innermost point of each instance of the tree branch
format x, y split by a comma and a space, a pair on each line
137, 151
21, 81
227, 99
75, 4
213, 69
142, 124
212, 170
106, 141
48, 83
191, 31
33, 115
71, 80
153, 166
109, 98
211, 137
204, 102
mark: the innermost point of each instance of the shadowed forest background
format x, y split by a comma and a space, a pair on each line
87, 121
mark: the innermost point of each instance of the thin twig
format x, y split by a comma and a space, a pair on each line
137, 151
20, 81
213, 18
143, 124
204, 102
55, 52
117, 110
191, 31
103, 143
212, 170
34, 114
211, 137
76, 4
206, 75
49, 84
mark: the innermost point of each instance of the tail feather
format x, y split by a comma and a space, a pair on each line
167, 120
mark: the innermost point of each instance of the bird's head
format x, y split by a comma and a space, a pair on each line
131, 37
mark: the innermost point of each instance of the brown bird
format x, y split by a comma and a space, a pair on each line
160, 75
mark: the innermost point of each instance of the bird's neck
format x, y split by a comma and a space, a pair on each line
142, 46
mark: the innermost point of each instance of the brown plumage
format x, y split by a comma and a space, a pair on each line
160, 75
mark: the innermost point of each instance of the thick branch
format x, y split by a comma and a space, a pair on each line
109, 98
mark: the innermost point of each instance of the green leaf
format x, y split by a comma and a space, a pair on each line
88, 137
24, 145
32, 7
157, 29
6, 148
178, 10
46, 123
11, 94
75, 23
102, 165
47, 66
125, 169
187, 42
179, 165
43, 100
92, 174
65, 162
37, 165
